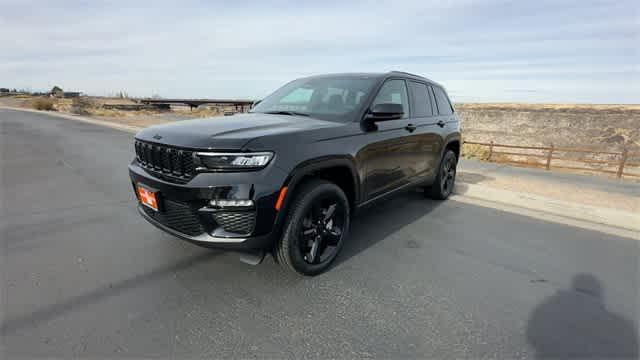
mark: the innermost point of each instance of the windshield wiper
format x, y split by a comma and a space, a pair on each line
290, 113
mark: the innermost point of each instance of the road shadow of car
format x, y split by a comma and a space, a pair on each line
574, 323
471, 177
464, 179
378, 221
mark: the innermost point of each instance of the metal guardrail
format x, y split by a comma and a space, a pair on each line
618, 160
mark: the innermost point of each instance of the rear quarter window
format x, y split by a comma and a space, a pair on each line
444, 106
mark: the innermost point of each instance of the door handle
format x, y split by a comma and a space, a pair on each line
441, 123
410, 127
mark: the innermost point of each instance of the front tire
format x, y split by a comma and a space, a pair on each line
445, 180
316, 226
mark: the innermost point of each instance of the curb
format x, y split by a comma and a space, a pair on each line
127, 128
616, 222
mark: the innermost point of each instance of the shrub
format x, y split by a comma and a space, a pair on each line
82, 105
44, 103
473, 151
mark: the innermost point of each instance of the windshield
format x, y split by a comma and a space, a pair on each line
327, 98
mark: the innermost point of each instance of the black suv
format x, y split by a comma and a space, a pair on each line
287, 177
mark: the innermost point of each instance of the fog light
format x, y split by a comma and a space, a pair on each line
231, 203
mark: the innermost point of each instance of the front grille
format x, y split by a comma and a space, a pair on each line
168, 163
178, 216
236, 222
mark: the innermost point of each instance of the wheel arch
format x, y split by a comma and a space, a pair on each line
452, 142
337, 169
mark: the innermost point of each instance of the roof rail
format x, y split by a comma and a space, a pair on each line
418, 76
406, 73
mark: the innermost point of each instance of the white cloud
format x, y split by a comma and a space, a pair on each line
477, 49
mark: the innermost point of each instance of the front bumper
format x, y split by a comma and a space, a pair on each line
205, 240
184, 210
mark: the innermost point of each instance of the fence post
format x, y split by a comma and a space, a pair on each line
625, 153
490, 150
549, 157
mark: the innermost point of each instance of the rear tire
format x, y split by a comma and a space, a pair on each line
445, 180
315, 228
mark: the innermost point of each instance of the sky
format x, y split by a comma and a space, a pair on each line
481, 51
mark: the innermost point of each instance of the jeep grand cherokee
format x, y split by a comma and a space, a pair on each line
286, 177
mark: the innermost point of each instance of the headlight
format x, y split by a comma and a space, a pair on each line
234, 161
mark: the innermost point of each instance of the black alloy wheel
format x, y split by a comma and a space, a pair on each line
448, 176
317, 223
445, 179
321, 230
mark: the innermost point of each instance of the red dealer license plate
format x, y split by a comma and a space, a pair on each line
147, 197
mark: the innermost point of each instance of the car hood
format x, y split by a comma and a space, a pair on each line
229, 132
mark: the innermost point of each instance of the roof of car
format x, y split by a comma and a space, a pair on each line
379, 75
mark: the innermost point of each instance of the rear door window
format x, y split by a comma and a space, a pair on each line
420, 100
444, 106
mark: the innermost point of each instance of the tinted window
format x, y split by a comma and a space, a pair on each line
298, 96
444, 107
393, 91
329, 98
420, 100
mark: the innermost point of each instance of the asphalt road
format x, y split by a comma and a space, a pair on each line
83, 275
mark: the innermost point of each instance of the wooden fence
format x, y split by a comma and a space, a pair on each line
611, 162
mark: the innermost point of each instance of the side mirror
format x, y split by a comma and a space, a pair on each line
385, 112
255, 103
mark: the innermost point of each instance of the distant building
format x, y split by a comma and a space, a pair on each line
71, 94
57, 91
4, 90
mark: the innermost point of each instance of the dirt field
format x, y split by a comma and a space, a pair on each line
591, 127
93, 107
598, 127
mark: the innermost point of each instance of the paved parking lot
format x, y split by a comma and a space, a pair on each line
83, 275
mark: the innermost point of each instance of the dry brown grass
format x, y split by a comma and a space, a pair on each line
83, 105
530, 107
102, 112
93, 106
473, 151
200, 112
43, 103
